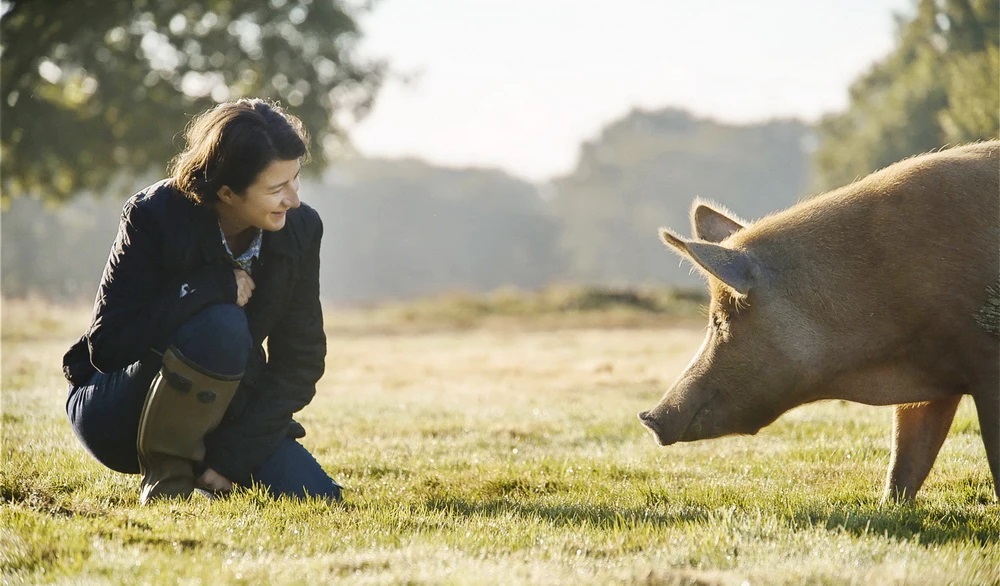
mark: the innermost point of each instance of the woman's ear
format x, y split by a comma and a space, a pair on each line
225, 194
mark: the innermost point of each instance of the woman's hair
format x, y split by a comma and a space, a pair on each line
232, 143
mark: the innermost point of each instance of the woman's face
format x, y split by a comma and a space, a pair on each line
263, 205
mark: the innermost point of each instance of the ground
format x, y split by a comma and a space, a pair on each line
486, 449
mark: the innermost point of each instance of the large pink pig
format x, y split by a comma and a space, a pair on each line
882, 292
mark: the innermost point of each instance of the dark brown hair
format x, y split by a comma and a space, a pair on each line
232, 143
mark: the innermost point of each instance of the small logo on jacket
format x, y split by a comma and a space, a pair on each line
185, 290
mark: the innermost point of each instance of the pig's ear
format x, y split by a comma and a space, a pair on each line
713, 223
732, 267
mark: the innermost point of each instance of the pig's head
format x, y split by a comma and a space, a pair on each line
752, 365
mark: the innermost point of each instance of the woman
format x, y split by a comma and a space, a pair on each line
171, 379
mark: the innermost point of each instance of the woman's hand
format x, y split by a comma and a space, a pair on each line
213, 481
244, 287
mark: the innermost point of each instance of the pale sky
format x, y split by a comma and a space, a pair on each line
520, 84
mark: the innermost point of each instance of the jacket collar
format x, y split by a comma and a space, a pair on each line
206, 226
278, 243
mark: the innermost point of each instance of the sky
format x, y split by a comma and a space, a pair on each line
520, 84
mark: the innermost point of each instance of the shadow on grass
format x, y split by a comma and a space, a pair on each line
906, 522
42, 501
902, 522
599, 516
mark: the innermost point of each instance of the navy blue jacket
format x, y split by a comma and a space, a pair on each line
167, 242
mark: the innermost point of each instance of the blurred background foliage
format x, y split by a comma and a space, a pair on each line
939, 86
92, 110
97, 92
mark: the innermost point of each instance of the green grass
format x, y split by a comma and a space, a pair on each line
496, 452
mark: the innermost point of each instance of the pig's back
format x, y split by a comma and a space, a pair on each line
918, 241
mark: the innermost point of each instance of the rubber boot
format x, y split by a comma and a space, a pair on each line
184, 404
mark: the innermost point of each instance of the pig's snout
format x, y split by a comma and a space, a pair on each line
648, 420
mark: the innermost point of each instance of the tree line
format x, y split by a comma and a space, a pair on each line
405, 228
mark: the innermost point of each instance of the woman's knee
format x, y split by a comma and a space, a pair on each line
293, 472
105, 429
216, 339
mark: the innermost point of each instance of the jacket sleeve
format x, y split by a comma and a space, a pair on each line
296, 356
138, 307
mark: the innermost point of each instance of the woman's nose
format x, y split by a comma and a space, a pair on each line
292, 198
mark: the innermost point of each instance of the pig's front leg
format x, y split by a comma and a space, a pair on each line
988, 408
918, 430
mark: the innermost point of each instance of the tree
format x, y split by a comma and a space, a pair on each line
644, 170
405, 228
393, 229
96, 92
940, 86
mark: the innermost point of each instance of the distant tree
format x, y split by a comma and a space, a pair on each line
405, 228
94, 91
940, 86
394, 229
643, 172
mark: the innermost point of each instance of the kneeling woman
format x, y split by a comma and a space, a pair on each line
171, 379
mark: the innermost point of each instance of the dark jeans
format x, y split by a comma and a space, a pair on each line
105, 411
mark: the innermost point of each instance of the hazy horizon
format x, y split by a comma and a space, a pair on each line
520, 86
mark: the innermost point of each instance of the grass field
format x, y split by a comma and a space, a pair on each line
493, 447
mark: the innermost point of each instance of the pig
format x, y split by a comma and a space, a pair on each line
872, 293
